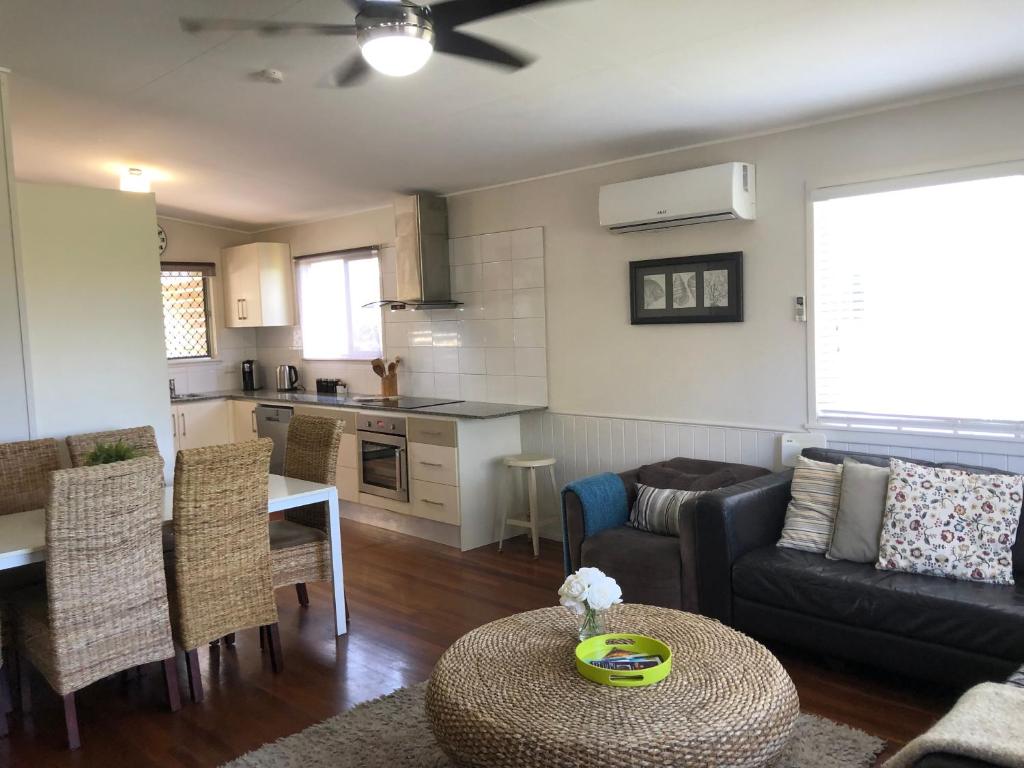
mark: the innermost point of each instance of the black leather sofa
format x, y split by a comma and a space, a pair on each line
953, 632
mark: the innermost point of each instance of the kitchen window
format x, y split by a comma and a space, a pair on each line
917, 305
333, 289
186, 300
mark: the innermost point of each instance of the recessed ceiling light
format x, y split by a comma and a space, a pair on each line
134, 180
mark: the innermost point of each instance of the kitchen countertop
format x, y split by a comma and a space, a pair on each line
465, 410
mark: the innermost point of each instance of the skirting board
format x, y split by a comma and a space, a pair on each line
394, 521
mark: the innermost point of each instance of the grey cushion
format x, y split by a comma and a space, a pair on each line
285, 534
657, 510
646, 566
861, 507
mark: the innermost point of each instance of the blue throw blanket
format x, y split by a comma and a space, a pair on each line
603, 498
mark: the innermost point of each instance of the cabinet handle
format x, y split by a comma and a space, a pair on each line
174, 426
245, 309
432, 464
435, 433
432, 503
253, 414
238, 308
184, 431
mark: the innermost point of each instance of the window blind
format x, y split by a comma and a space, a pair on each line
918, 307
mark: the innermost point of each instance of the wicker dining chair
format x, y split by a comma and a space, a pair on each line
25, 469
222, 580
104, 607
142, 439
300, 546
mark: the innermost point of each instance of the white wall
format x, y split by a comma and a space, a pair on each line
94, 317
14, 423
745, 375
188, 241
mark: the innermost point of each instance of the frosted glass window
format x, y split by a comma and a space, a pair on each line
918, 308
333, 290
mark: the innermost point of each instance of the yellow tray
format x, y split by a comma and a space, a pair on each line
597, 647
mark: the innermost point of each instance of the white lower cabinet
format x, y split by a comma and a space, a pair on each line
435, 501
202, 423
243, 420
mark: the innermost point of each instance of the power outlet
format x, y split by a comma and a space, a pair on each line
800, 309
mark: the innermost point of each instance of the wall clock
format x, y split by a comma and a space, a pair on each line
161, 239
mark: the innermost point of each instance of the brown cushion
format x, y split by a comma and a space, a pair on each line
696, 474
647, 566
285, 534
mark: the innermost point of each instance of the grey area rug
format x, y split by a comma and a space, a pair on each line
393, 732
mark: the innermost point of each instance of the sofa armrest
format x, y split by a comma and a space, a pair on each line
729, 523
582, 520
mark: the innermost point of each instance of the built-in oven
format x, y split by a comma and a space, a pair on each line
383, 461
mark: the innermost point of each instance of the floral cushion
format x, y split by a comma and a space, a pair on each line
948, 522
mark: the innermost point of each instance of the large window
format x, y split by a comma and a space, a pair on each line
186, 301
918, 304
333, 289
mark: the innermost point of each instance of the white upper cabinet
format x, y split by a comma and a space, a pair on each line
259, 288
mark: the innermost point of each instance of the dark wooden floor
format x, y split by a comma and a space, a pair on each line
409, 599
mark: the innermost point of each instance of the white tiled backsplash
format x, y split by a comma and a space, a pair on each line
493, 348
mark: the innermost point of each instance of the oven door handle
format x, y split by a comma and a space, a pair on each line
401, 468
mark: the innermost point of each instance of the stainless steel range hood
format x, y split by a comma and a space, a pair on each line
421, 242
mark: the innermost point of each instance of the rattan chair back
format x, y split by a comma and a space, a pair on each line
142, 439
25, 469
106, 591
222, 568
311, 453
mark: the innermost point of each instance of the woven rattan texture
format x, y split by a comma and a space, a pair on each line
142, 439
222, 572
25, 469
311, 453
508, 694
104, 608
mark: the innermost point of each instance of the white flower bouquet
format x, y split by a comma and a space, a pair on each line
587, 593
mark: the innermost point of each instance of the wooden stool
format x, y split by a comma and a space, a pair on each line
529, 462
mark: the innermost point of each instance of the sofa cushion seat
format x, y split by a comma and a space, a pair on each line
982, 618
642, 563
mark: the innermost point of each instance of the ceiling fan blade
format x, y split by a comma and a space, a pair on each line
265, 26
352, 73
455, 12
472, 47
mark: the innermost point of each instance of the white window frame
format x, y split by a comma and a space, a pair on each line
210, 301
344, 255
909, 432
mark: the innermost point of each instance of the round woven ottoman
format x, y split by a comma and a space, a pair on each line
508, 694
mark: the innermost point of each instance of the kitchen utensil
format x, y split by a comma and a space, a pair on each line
287, 378
250, 375
378, 366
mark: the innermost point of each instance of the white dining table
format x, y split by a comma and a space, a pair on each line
23, 534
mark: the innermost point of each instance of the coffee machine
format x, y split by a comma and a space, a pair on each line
250, 375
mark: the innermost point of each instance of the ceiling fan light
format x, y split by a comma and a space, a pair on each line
397, 55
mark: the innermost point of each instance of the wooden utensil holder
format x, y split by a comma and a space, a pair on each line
389, 385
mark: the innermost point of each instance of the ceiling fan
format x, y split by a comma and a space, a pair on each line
396, 37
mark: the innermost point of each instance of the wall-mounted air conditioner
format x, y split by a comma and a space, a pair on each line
716, 193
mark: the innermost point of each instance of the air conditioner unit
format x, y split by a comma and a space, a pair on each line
716, 193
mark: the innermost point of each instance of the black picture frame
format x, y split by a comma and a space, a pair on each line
687, 289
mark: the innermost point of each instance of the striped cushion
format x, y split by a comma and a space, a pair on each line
656, 510
811, 515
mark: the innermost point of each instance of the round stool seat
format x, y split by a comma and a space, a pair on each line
528, 460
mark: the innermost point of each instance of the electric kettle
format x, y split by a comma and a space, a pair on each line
287, 378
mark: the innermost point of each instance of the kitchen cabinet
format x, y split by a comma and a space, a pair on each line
202, 423
243, 420
259, 288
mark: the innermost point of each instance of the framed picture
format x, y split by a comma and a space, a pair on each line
687, 289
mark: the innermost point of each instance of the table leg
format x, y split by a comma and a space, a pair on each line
337, 574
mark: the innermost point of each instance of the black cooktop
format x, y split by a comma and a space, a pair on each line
401, 402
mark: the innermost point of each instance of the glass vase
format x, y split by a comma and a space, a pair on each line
592, 623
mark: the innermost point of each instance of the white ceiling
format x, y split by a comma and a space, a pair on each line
110, 83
